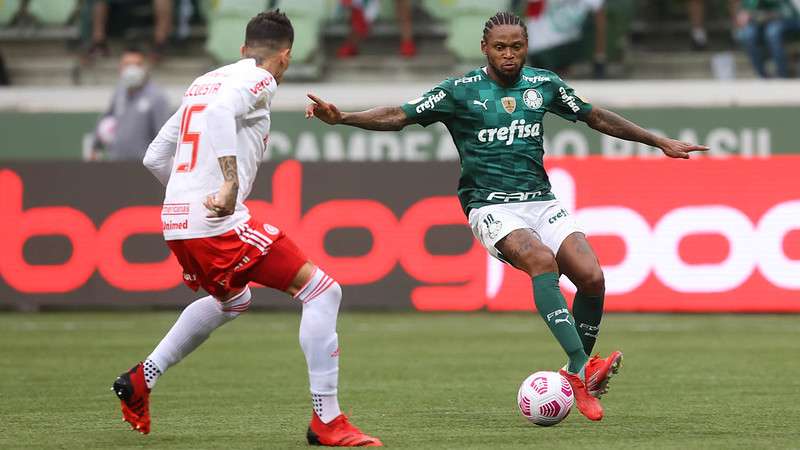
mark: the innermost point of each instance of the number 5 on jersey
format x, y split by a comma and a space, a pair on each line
188, 137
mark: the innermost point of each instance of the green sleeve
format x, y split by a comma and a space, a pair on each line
565, 102
436, 105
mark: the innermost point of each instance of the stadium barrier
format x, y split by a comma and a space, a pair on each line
707, 235
753, 132
739, 118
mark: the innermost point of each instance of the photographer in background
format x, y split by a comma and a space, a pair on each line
138, 110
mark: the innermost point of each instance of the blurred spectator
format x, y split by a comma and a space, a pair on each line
768, 21
698, 33
555, 32
363, 13
138, 110
4, 78
99, 11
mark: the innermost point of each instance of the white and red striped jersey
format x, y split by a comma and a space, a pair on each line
224, 112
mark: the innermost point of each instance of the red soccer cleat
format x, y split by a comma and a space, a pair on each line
134, 397
338, 433
599, 371
587, 405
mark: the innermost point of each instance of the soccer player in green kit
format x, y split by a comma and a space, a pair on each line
494, 115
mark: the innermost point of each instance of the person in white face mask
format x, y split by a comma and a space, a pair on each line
138, 110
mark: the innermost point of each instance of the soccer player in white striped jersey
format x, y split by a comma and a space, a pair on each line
207, 156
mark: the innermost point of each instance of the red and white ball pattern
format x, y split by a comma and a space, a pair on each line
545, 398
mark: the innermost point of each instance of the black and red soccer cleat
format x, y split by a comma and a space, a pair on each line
587, 405
134, 396
599, 372
338, 433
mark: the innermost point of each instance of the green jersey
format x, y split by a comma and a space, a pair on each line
498, 131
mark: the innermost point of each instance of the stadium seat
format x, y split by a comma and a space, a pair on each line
439, 9
465, 28
227, 20
306, 17
52, 12
388, 11
8, 9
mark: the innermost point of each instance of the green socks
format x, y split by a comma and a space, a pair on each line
553, 309
588, 311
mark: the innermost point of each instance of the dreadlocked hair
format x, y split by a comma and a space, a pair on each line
504, 18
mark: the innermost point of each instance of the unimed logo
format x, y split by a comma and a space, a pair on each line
704, 235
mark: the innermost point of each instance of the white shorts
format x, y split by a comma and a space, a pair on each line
551, 222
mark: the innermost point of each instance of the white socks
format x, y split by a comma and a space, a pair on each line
151, 373
321, 297
193, 327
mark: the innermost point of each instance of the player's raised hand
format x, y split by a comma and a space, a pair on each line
324, 111
678, 149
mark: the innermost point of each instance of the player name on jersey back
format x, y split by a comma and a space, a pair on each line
241, 91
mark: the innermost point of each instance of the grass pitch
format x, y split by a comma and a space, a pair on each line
414, 380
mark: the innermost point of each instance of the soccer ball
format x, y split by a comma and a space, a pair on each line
545, 398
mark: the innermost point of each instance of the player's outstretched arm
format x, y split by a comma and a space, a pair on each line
613, 124
382, 118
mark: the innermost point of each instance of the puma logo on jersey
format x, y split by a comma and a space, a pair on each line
517, 129
483, 103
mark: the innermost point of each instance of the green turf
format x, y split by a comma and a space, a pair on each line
415, 380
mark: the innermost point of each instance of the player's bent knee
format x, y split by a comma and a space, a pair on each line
320, 287
593, 283
537, 262
237, 304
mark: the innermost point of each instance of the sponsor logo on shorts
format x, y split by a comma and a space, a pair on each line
513, 196
168, 225
554, 218
492, 226
271, 229
189, 276
241, 264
